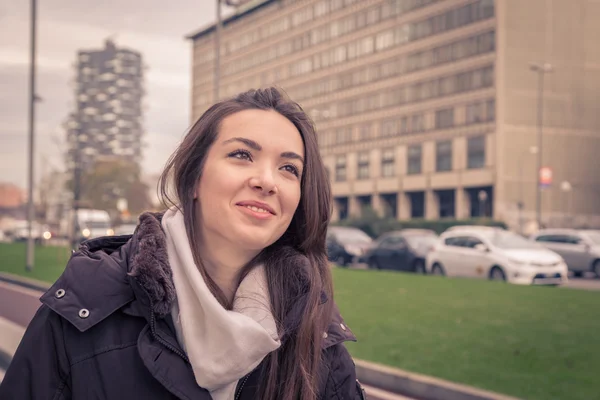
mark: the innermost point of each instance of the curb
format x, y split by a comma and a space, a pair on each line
419, 386
28, 283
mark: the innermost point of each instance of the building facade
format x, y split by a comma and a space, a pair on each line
107, 121
429, 108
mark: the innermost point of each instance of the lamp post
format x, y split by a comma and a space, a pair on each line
567, 189
541, 70
521, 203
482, 196
32, 100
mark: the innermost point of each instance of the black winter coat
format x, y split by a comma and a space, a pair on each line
104, 331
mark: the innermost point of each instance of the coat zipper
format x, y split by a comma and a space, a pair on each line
161, 340
239, 393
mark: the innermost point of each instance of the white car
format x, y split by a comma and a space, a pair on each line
498, 255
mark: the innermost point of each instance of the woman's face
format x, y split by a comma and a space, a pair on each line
250, 184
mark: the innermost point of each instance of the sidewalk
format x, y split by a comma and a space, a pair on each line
10, 336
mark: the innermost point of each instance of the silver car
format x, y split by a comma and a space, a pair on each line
580, 248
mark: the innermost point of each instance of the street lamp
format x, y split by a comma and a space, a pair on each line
32, 100
482, 196
218, 27
541, 70
567, 189
521, 203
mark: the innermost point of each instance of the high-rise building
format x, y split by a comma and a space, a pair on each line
429, 108
107, 121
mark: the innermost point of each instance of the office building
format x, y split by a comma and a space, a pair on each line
429, 108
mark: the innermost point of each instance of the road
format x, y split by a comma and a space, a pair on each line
588, 282
18, 304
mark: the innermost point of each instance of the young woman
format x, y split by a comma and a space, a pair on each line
225, 296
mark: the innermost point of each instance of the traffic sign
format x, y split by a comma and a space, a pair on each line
545, 176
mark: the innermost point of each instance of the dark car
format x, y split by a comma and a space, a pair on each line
403, 250
344, 244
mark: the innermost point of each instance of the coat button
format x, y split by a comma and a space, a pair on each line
343, 327
60, 293
325, 335
84, 313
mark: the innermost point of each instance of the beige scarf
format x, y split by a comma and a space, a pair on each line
223, 346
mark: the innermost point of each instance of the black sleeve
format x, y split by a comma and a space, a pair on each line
341, 381
39, 369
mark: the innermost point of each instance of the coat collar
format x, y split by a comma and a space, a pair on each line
132, 273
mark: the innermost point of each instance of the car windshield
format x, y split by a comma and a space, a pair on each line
510, 240
421, 240
593, 236
351, 236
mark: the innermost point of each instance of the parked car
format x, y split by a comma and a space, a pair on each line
20, 232
496, 254
472, 227
125, 229
344, 244
579, 248
403, 250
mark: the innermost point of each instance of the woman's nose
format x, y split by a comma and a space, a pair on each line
264, 181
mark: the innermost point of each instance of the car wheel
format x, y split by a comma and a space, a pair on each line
341, 261
496, 274
373, 264
577, 274
437, 269
596, 268
419, 267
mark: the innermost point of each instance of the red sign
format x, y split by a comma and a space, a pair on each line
545, 176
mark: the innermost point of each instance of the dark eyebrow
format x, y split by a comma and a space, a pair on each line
292, 155
255, 146
250, 143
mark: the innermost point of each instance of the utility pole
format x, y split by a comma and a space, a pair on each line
541, 70
76, 186
32, 100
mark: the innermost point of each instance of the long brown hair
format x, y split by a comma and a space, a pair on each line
296, 265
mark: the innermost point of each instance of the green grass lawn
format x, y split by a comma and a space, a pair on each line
530, 342
49, 263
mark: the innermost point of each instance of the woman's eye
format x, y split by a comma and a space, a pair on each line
241, 155
292, 169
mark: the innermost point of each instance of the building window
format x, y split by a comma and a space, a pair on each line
417, 123
415, 156
365, 132
444, 118
387, 163
343, 135
443, 158
476, 152
389, 128
474, 113
363, 165
404, 126
490, 110
340, 168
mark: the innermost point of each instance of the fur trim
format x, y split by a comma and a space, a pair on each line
150, 264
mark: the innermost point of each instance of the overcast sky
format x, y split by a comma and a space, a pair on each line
155, 28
